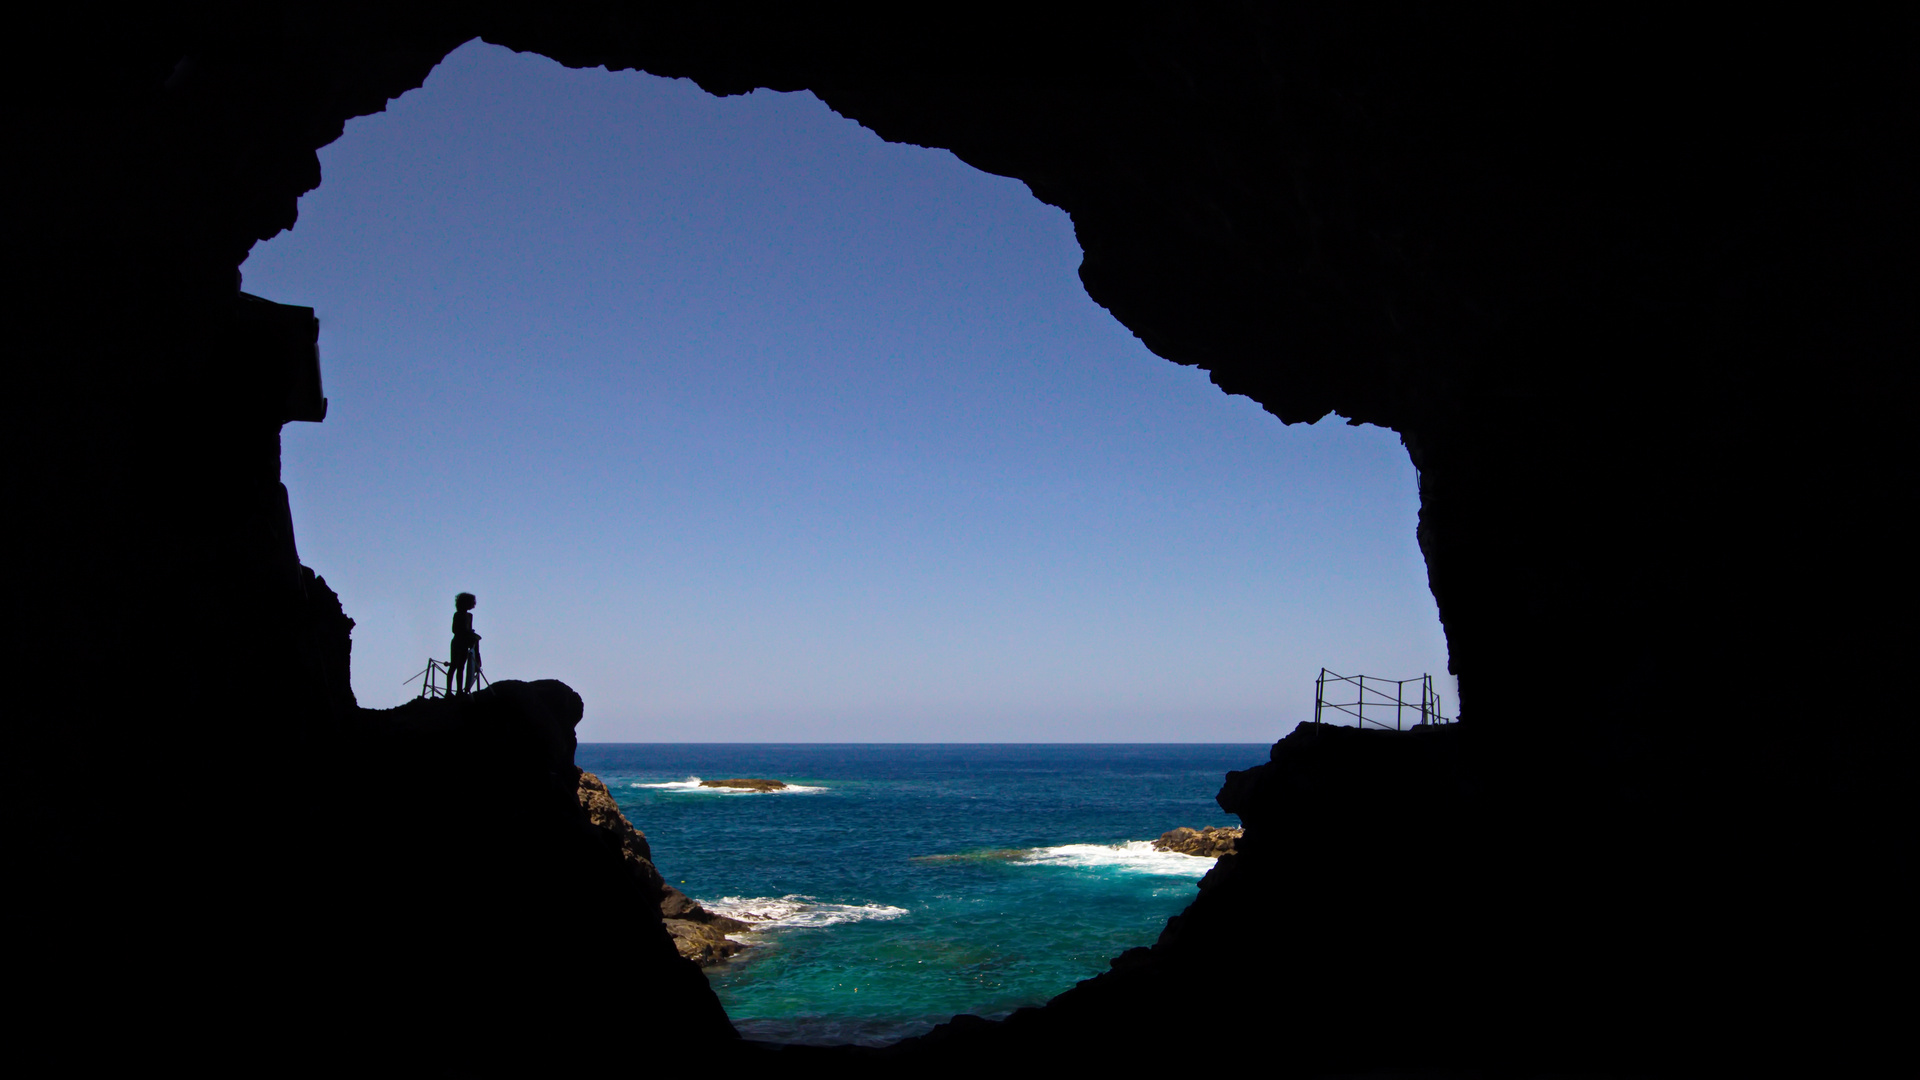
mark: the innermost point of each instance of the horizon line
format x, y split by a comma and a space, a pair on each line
749, 742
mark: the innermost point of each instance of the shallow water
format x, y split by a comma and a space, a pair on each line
898, 885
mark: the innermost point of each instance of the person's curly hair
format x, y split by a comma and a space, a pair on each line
463, 601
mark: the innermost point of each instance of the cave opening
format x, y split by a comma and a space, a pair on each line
1629, 284
758, 430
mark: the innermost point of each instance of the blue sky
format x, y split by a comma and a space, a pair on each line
751, 426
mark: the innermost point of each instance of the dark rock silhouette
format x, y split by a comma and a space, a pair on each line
468, 816
1631, 283
698, 934
1338, 912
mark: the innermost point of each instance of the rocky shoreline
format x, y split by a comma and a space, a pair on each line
698, 934
1210, 842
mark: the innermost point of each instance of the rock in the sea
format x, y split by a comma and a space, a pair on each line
703, 943
698, 934
745, 783
988, 855
1211, 842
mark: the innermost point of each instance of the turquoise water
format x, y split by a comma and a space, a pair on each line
899, 885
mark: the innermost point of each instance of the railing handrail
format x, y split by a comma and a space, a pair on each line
1427, 703
431, 689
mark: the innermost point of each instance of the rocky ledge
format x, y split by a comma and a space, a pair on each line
698, 934
1211, 842
747, 784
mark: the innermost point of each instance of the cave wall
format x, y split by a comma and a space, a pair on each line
1629, 284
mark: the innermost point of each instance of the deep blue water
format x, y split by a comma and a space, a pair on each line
900, 885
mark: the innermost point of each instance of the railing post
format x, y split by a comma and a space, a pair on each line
1319, 694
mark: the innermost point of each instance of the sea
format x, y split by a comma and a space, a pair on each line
891, 887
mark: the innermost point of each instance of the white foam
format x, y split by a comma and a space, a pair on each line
692, 784
794, 910
1134, 856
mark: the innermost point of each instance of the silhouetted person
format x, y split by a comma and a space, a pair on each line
464, 662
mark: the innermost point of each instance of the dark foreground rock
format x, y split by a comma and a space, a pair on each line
1210, 842
463, 844
746, 784
698, 934
1352, 855
1625, 279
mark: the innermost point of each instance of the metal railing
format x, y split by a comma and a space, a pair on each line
1382, 695
437, 677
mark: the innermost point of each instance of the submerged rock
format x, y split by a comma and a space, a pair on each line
747, 784
989, 855
1210, 842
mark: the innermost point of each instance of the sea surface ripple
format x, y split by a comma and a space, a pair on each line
894, 886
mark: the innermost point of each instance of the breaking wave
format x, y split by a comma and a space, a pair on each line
762, 913
1133, 856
